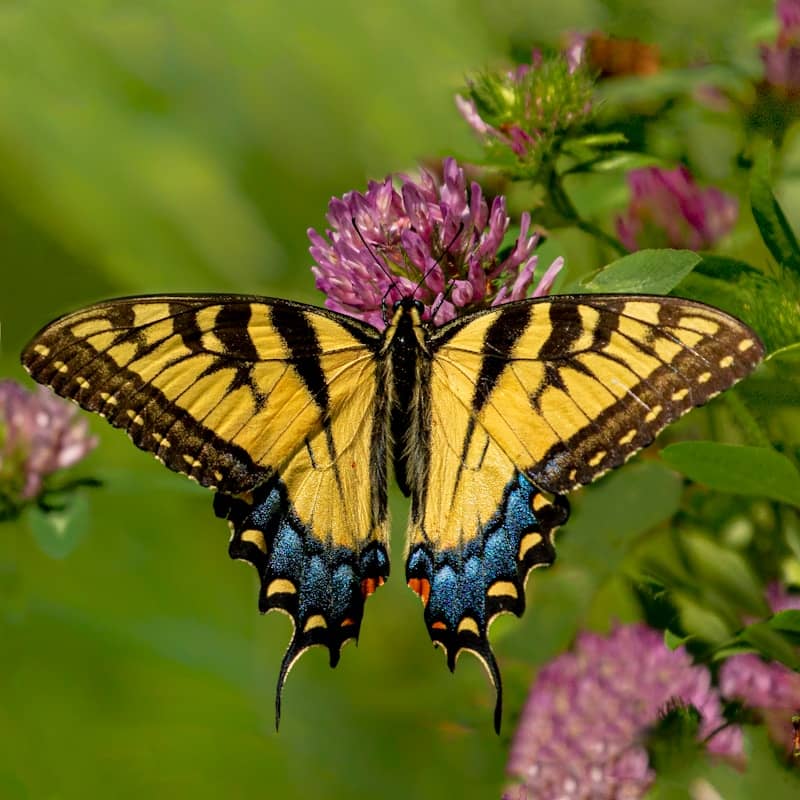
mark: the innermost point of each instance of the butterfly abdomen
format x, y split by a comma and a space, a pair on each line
407, 372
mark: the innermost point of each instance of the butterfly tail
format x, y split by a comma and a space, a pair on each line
479, 646
464, 589
321, 588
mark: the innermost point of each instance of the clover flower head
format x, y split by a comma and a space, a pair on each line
522, 113
788, 12
781, 59
581, 732
39, 435
440, 242
782, 68
668, 209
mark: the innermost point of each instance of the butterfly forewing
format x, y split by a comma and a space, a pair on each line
276, 405
571, 386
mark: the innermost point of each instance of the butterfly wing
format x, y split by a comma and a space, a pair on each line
273, 403
539, 397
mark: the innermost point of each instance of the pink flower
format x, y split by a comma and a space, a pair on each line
438, 242
788, 12
782, 59
39, 435
782, 67
668, 209
529, 108
581, 731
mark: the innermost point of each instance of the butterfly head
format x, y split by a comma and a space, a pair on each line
409, 305
406, 332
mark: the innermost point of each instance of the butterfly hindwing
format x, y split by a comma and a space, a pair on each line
273, 403
530, 400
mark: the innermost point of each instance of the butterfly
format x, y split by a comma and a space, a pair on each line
293, 414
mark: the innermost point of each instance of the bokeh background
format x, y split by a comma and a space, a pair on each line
186, 146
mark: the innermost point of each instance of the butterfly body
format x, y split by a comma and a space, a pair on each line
293, 413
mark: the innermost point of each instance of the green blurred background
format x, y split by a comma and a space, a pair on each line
186, 146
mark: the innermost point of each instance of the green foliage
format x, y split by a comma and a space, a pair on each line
59, 530
645, 272
757, 471
772, 223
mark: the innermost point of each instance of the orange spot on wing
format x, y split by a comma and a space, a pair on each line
369, 585
422, 587
348, 621
439, 626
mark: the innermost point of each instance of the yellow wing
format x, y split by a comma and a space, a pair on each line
543, 396
273, 403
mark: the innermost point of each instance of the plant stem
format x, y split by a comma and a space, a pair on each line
567, 209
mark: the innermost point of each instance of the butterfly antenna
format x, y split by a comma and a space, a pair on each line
380, 264
452, 282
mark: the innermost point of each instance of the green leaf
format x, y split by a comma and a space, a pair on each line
790, 354
786, 622
770, 644
608, 139
774, 227
699, 621
725, 268
673, 640
58, 531
729, 650
752, 471
645, 272
614, 162
723, 572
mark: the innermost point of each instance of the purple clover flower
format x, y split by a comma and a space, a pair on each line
788, 12
782, 68
761, 684
526, 109
39, 435
782, 59
438, 242
581, 732
668, 209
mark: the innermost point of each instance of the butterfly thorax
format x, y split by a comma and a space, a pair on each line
406, 357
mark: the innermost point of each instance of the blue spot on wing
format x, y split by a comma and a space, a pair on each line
464, 589
321, 587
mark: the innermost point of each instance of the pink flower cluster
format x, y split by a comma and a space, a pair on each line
782, 59
668, 209
438, 242
523, 108
581, 731
39, 435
